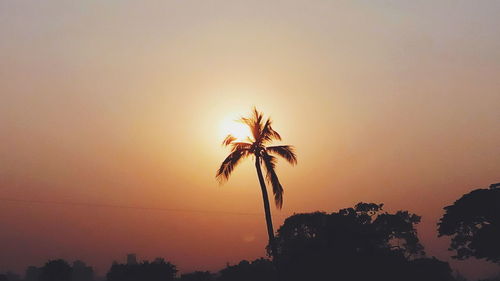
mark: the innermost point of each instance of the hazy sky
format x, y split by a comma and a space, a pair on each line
125, 103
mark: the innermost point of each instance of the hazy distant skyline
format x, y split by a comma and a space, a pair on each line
126, 103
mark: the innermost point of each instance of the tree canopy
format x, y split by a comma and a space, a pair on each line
260, 269
158, 270
56, 270
473, 223
359, 243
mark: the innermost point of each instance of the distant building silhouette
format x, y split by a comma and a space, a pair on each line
32, 273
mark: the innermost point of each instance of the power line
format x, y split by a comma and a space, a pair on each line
96, 205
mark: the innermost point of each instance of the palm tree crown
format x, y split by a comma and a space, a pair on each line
262, 134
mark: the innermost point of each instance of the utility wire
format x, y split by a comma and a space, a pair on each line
96, 205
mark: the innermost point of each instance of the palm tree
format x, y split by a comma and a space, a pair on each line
262, 134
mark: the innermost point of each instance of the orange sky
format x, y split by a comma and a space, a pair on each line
123, 103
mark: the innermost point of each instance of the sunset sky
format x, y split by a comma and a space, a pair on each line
126, 103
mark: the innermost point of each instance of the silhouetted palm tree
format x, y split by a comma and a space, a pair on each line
262, 134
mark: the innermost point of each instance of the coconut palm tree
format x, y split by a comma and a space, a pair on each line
262, 135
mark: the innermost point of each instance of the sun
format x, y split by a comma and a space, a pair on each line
231, 126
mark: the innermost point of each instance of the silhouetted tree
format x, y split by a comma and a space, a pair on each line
158, 270
3, 277
360, 243
56, 270
198, 276
59, 270
258, 270
473, 222
262, 134
428, 269
81, 272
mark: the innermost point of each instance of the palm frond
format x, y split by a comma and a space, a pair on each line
229, 164
285, 151
228, 140
257, 116
240, 145
272, 178
268, 134
251, 125
254, 122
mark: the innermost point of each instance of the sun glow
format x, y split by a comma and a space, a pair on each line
239, 130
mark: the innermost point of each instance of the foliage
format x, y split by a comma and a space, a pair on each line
56, 270
257, 270
473, 222
198, 276
158, 270
256, 145
357, 243
428, 269
262, 134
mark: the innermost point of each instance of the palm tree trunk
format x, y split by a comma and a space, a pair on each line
267, 209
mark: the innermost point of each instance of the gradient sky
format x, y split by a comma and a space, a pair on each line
126, 103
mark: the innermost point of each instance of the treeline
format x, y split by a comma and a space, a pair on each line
257, 270
54, 270
363, 242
